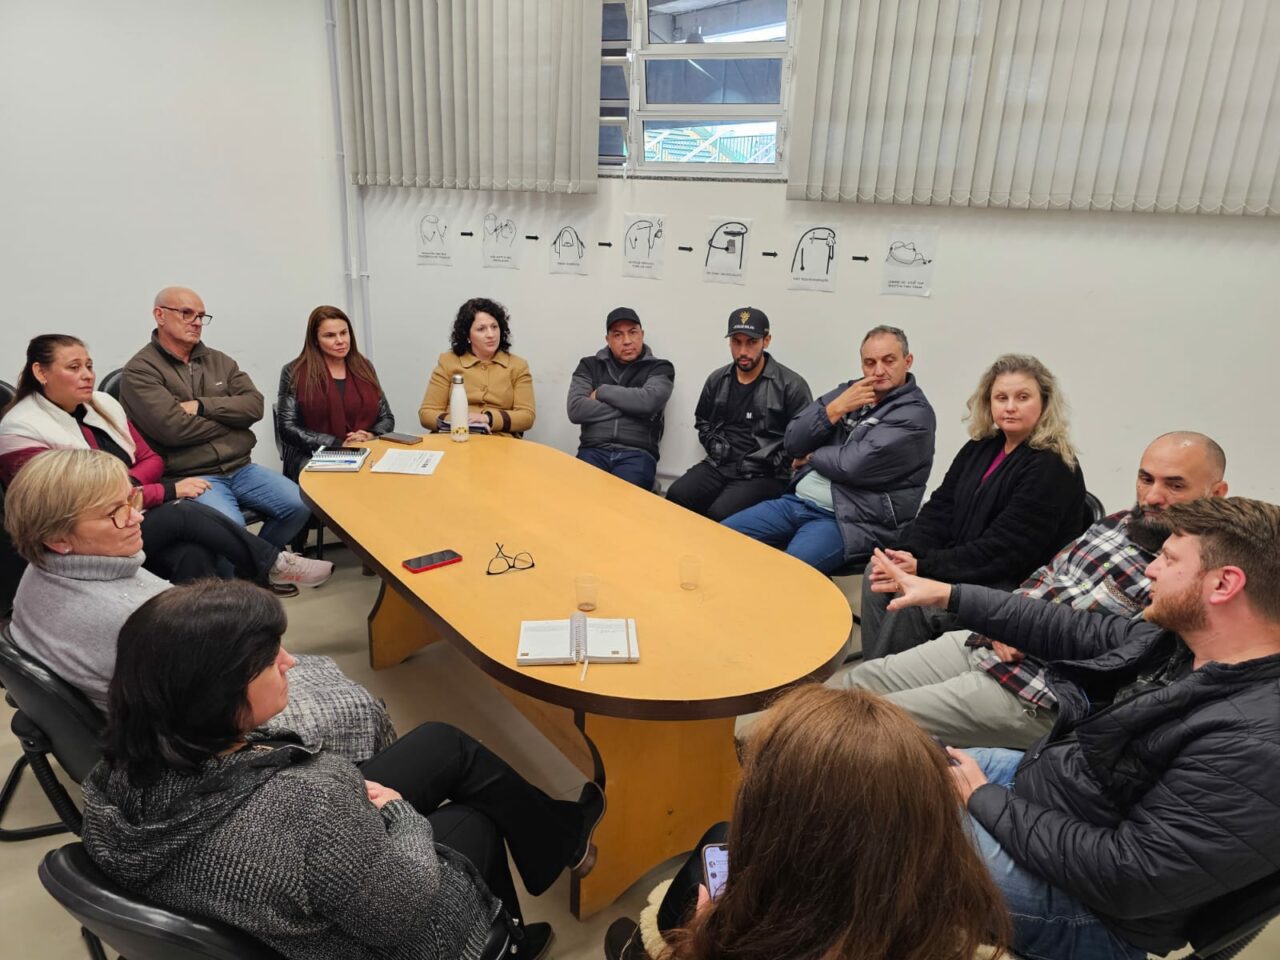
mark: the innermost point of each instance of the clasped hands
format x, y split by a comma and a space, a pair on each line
893, 571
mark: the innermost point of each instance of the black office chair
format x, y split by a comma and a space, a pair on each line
315, 523
143, 931
1223, 928
1093, 509
12, 567
110, 384
7, 394
139, 930
51, 717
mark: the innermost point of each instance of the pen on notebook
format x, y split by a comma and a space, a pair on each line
583, 676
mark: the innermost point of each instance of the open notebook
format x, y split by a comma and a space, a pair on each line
579, 639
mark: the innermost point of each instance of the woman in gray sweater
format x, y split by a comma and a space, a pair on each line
317, 858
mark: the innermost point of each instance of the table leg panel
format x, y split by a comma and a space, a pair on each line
396, 629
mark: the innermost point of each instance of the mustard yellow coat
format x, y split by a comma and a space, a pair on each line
501, 387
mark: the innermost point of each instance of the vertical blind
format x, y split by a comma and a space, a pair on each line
478, 94
1133, 105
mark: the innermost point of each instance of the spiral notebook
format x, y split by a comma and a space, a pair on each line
580, 639
338, 459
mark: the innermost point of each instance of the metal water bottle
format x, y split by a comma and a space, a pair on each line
458, 428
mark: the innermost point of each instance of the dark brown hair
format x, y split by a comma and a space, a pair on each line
460, 335
310, 372
1236, 532
44, 350
848, 842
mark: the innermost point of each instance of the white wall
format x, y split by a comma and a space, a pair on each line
156, 142
1152, 323
149, 142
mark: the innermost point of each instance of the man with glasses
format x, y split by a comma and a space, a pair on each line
196, 408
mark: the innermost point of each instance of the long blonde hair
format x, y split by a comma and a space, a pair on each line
1052, 431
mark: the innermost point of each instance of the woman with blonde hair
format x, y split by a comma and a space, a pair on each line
848, 842
1012, 497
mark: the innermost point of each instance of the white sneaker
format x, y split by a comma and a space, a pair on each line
298, 570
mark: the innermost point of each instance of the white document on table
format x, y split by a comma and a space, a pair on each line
420, 463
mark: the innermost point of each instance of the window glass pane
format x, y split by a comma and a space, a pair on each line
615, 25
715, 21
729, 141
618, 111
613, 83
613, 141
713, 81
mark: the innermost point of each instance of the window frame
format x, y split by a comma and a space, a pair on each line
640, 52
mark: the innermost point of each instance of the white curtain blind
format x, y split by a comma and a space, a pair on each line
478, 94
1134, 105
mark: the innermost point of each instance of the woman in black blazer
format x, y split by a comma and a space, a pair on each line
1013, 496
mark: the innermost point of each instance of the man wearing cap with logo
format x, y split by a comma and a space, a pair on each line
741, 418
864, 451
618, 397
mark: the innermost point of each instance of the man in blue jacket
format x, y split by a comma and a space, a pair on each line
618, 396
1158, 788
863, 453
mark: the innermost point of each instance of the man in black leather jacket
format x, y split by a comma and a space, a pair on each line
1157, 790
741, 418
618, 397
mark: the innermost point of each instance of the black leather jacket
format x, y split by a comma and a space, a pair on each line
781, 395
296, 442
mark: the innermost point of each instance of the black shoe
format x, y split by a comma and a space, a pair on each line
537, 939
283, 590
593, 806
622, 941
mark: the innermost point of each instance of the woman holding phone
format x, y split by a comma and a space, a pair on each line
848, 842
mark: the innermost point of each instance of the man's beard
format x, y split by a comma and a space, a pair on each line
1147, 528
1182, 612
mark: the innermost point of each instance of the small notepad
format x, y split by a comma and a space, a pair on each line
579, 639
338, 459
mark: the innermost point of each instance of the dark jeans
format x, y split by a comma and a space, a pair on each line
186, 541
706, 490
490, 804
633, 466
887, 631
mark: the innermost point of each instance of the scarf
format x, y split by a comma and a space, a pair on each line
335, 412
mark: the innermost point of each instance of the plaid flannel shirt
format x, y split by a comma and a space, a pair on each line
1102, 569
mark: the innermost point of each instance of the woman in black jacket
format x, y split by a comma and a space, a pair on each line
329, 394
1013, 496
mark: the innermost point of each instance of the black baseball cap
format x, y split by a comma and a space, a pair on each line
619, 314
750, 321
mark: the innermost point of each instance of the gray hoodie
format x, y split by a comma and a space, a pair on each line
281, 841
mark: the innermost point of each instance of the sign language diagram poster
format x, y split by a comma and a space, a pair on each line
643, 245
432, 229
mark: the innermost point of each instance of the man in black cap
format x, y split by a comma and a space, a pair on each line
741, 418
618, 397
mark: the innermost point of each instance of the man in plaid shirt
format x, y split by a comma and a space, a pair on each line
972, 691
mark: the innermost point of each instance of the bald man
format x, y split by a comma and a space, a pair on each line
196, 408
969, 690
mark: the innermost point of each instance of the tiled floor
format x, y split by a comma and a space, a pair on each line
437, 684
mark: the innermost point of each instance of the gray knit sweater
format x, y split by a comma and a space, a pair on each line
283, 843
68, 614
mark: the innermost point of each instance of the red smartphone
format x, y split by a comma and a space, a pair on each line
429, 561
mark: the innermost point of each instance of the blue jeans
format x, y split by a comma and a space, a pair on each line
808, 533
633, 466
272, 494
1047, 923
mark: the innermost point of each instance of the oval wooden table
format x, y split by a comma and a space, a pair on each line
657, 734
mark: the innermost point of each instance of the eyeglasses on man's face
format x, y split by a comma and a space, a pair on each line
121, 514
503, 563
190, 316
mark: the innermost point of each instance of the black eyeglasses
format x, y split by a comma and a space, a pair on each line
190, 316
502, 563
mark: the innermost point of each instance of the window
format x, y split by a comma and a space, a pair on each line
717, 108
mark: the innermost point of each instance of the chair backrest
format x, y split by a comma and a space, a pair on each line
11, 566
134, 927
1222, 922
275, 424
1093, 509
7, 393
110, 384
70, 722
